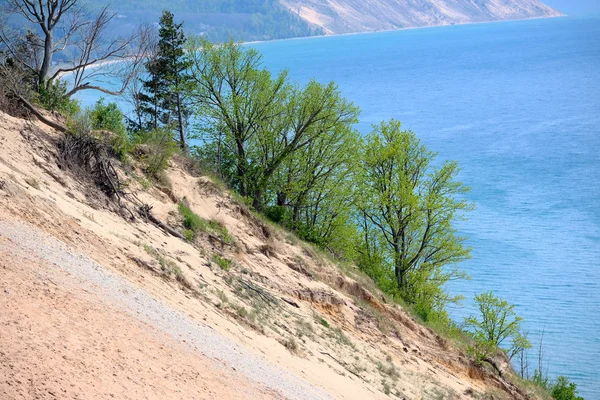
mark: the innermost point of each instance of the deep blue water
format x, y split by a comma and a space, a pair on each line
517, 104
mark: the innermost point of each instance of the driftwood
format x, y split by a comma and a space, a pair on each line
146, 212
41, 117
290, 302
263, 294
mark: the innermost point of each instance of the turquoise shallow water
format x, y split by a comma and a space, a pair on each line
517, 104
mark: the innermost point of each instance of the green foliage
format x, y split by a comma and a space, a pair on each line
324, 322
224, 263
564, 390
540, 379
191, 220
189, 235
54, 97
276, 213
108, 117
406, 211
163, 102
155, 148
496, 323
221, 231
253, 123
195, 224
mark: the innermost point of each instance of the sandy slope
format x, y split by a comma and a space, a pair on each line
90, 310
60, 340
350, 16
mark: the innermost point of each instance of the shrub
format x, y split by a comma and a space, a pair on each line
224, 263
108, 117
155, 149
275, 213
564, 390
498, 322
195, 224
54, 98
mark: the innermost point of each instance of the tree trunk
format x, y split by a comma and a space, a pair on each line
241, 167
281, 199
257, 200
182, 142
47, 61
399, 267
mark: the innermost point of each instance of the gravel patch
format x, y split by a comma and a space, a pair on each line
140, 304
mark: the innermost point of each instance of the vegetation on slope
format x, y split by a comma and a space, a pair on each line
291, 152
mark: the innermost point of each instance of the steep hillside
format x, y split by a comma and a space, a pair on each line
218, 20
348, 16
98, 302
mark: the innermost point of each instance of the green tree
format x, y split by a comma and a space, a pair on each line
496, 323
408, 208
234, 98
309, 113
315, 189
498, 320
564, 390
164, 98
258, 120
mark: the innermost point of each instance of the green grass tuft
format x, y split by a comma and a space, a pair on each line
224, 263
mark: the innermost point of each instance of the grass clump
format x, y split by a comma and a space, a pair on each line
155, 148
224, 263
291, 345
189, 235
195, 224
168, 267
388, 370
192, 221
221, 231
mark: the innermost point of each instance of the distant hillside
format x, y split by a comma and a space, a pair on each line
347, 16
251, 20
218, 19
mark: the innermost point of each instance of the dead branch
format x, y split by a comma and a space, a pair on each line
266, 296
146, 212
40, 116
56, 26
290, 302
87, 153
494, 365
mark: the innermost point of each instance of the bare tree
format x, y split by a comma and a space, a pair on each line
65, 26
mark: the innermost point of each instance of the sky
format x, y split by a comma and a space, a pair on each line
575, 7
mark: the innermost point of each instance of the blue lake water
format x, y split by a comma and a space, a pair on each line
517, 104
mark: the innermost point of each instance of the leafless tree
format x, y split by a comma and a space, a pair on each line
65, 26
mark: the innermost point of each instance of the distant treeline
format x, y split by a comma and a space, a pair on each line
220, 20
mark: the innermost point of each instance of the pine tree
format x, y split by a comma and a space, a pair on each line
163, 100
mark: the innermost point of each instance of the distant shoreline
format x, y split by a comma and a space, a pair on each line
109, 62
403, 29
